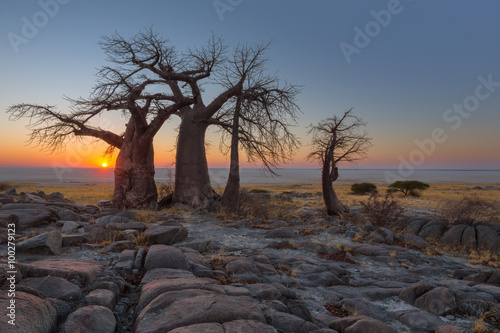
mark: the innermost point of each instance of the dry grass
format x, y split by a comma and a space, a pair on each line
485, 259
4, 186
432, 199
140, 240
470, 208
86, 194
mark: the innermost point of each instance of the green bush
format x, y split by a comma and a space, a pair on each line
408, 187
363, 188
4, 186
258, 191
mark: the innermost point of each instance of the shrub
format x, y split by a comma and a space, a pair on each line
4, 186
363, 188
166, 189
258, 191
253, 205
468, 209
408, 187
382, 211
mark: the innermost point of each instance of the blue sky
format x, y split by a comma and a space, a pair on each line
427, 58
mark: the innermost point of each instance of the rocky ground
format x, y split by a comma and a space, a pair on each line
99, 269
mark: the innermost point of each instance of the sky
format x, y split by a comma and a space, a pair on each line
424, 75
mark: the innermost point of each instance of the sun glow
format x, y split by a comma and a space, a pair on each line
104, 165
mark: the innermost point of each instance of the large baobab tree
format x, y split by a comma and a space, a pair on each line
134, 172
127, 89
151, 81
212, 66
336, 140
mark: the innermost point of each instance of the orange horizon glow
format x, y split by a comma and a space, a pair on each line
384, 155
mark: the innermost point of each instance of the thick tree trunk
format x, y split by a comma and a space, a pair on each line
134, 173
231, 196
333, 205
192, 182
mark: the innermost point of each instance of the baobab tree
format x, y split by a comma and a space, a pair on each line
134, 172
213, 66
257, 118
151, 81
259, 121
336, 140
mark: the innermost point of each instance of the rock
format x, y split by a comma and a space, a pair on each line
433, 230
68, 215
235, 326
469, 238
62, 309
165, 273
47, 243
247, 326
72, 240
381, 235
413, 226
241, 224
487, 239
372, 250
96, 234
70, 226
436, 301
196, 328
199, 246
372, 326
264, 291
283, 232
414, 241
102, 297
120, 223
410, 294
32, 314
164, 256
285, 322
450, 329
360, 324
158, 234
125, 263
109, 285
419, 321
494, 278
92, 318
30, 215
241, 266
105, 204
453, 237
32, 198
11, 191
139, 260
82, 271
56, 196
55, 287
365, 308
131, 234
119, 246
199, 309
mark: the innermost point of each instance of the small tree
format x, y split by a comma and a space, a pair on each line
335, 140
258, 122
363, 188
408, 187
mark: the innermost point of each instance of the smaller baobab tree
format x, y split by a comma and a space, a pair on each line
257, 119
336, 140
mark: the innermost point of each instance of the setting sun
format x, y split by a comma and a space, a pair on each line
104, 165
